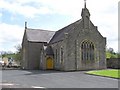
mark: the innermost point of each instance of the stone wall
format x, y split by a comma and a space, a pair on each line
34, 55
113, 63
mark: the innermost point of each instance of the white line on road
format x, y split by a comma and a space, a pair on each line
6, 84
37, 87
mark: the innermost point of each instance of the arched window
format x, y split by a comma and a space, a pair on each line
41, 59
61, 52
56, 55
87, 51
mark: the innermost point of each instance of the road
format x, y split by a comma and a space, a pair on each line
54, 79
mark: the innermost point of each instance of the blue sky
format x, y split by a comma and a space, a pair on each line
54, 15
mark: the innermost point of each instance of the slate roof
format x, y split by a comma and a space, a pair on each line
59, 35
49, 51
38, 35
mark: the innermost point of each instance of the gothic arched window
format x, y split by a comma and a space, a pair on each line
87, 51
56, 56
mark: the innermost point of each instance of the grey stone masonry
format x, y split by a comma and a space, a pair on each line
78, 46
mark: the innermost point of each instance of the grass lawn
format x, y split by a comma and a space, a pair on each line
113, 73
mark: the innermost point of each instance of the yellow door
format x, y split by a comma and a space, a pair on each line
49, 63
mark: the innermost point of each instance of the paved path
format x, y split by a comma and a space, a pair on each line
54, 79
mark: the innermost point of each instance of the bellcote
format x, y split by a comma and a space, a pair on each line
85, 13
85, 16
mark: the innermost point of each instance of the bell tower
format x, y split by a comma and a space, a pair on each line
85, 16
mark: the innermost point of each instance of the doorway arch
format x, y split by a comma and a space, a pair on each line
49, 63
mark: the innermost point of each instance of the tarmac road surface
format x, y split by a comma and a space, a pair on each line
54, 79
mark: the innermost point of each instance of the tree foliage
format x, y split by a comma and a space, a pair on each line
18, 53
5, 53
111, 54
118, 55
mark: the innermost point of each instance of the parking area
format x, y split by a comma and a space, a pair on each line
54, 79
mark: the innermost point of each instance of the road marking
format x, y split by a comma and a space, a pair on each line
37, 87
7, 84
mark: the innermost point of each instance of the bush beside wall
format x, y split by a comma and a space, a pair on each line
113, 63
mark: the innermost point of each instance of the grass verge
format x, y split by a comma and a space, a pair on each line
113, 73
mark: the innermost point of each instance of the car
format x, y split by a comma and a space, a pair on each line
15, 64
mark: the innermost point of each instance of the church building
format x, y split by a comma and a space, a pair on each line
78, 46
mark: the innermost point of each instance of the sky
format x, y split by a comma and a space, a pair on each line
54, 15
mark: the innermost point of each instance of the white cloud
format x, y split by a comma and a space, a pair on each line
64, 7
10, 35
0, 17
25, 10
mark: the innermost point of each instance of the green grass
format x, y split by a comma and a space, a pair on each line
113, 73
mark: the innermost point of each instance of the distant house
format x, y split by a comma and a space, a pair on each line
5, 59
78, 46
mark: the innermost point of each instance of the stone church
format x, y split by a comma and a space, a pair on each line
78, 46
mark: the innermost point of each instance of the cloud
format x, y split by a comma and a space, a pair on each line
10, 35
0, 17
25, 10
63, 7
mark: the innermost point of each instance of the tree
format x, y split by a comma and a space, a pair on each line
3, 53
18, 53
111, 50
110, 53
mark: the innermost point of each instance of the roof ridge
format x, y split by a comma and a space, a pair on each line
68, 25
39, 29
38, 35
